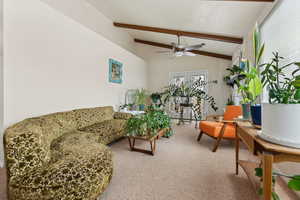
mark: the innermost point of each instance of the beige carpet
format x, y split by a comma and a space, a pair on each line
182, 169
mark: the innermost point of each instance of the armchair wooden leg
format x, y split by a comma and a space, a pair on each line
219, 138
199, 136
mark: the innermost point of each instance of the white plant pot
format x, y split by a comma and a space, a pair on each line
281, 124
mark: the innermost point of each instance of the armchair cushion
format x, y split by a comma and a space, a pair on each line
214, 129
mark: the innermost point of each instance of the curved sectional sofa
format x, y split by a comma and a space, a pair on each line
62, 156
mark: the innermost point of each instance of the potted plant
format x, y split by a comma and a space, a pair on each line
281, 116
235, 76
251, 88
149, 124
155, 97
140, 98
191, 90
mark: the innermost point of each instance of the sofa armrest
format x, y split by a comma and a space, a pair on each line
122, 115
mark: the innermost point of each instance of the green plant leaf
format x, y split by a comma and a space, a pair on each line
255, 88
296, 83
297, 94
275, 196
261, 51
294, 184
258, 172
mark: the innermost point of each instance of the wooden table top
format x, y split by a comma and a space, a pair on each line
268, 146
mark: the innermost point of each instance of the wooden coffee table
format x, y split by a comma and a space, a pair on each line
150, 139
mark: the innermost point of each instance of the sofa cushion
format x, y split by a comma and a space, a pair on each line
122, 115
89, 116
107, 131
82, 177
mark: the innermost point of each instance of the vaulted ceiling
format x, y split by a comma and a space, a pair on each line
229, 18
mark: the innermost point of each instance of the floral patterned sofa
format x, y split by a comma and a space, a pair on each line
62, 156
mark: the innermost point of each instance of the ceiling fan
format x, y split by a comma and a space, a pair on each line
179, 50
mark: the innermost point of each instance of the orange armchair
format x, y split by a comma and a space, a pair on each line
220, 128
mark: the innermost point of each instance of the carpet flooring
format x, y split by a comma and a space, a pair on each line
182, 169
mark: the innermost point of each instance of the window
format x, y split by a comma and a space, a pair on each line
179, 78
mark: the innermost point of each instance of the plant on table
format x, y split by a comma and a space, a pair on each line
283, 88
235, 76
148, 124
191, 90
251, 87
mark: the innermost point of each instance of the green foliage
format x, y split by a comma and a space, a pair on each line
148, 124
252, 86
259, 172
155, 97
141, 97
293, 183
190, 90
235, 76
230, 101
283, 89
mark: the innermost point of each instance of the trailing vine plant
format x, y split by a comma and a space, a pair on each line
191, 90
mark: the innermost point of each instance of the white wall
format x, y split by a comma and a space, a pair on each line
84, 13
53, 63
1, 79
160, 66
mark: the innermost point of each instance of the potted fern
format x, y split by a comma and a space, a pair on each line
281, 115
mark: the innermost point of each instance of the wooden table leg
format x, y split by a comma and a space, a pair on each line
153, 146
267, 175
237, 151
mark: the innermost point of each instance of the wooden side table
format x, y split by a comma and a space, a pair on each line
150, 139
268, 152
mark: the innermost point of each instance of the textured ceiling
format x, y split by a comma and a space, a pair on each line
229, 18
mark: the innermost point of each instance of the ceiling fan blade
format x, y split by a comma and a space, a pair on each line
179, 53
163, 52
187, 53
194, 47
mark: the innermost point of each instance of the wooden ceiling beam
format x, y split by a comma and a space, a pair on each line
221, 38
203, 53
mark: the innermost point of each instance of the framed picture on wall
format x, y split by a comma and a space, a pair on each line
115, 71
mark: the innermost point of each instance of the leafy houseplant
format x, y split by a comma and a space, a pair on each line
235, 76
230, 101
140, 98
191, 90
293, 183
148, 124
251, 88
281, 115
282, 88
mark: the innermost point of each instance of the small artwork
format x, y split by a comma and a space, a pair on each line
115, 71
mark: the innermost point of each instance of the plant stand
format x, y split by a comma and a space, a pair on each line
150, 139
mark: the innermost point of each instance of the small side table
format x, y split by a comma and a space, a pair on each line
150, 139
182, 107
